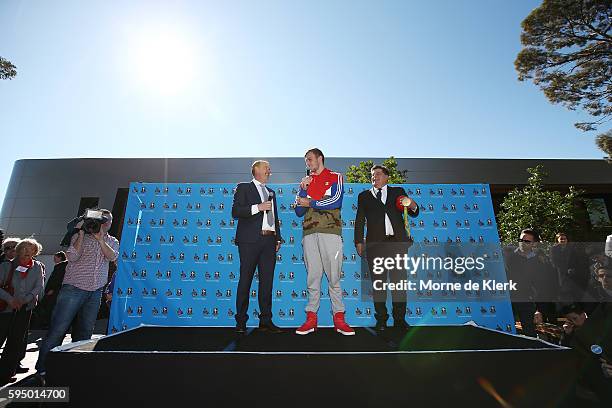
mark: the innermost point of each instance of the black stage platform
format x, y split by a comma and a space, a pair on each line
426, 366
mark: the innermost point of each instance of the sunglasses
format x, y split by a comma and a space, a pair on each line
525, 240
605, 275
8, 248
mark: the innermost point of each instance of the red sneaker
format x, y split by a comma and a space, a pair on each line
310, 325
341, 326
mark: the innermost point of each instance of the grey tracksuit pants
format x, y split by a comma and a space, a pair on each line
323, 253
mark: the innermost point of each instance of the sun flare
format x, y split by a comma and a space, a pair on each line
162, 60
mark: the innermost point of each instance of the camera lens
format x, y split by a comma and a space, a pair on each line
91, 226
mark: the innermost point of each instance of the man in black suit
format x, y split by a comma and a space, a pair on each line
258, 238
386, 237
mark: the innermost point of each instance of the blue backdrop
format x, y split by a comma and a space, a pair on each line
178, 265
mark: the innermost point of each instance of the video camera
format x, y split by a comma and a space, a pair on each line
92, 222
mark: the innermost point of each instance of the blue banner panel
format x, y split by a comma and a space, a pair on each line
178, 265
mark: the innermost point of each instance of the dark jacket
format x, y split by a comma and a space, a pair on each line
596, 331
571, 264
372, 211
535, 277
249, 226
56, 278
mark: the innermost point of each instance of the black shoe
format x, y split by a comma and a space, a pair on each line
241, 329
380, 326
21, 369
400, 324
269, 327
9, 380
40, 379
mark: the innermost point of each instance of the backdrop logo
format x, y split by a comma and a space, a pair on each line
169, 232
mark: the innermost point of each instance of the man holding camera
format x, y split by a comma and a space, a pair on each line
590, 335
90, 251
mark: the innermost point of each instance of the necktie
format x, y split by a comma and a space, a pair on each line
379, 195
266, 196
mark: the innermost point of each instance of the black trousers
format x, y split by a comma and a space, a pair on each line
260, 255
387, 249
523, 312
13, 328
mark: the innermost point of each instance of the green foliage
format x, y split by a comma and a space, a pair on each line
604, 142
7, 70
567, 50
547, 212
361, 173
597, 209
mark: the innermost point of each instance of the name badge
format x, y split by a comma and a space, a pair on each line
21, 269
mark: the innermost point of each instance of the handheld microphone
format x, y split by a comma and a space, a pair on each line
307, 171
270, 196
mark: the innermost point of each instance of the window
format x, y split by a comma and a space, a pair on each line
87, 202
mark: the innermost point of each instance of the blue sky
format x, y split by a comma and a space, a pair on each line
270, 78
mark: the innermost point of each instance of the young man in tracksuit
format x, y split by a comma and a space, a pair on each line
319, 202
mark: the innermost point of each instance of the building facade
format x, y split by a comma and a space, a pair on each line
44, 194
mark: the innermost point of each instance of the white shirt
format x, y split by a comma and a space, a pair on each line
388, 226
254, 210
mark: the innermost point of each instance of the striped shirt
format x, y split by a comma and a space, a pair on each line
88, 269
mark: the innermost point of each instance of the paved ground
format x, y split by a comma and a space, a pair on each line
34, 340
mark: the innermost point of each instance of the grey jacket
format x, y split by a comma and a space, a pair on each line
29, 289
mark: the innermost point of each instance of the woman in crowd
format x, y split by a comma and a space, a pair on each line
8, 249
24, 277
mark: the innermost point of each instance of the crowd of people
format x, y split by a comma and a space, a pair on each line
547, 278
69, 299
567, 286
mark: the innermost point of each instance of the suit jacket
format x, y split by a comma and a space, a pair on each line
372, 211
249, 226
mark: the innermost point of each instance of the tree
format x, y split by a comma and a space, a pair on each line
361, 173
604, 142
7, 69
547, 212
567, 50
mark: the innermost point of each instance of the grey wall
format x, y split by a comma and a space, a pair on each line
44, 194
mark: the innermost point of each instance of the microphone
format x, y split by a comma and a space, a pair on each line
307, 171
270, 197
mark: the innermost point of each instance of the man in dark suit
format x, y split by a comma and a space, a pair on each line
386, 237
258, 238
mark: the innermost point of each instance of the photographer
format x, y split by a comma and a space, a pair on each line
590, 335
90, 251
